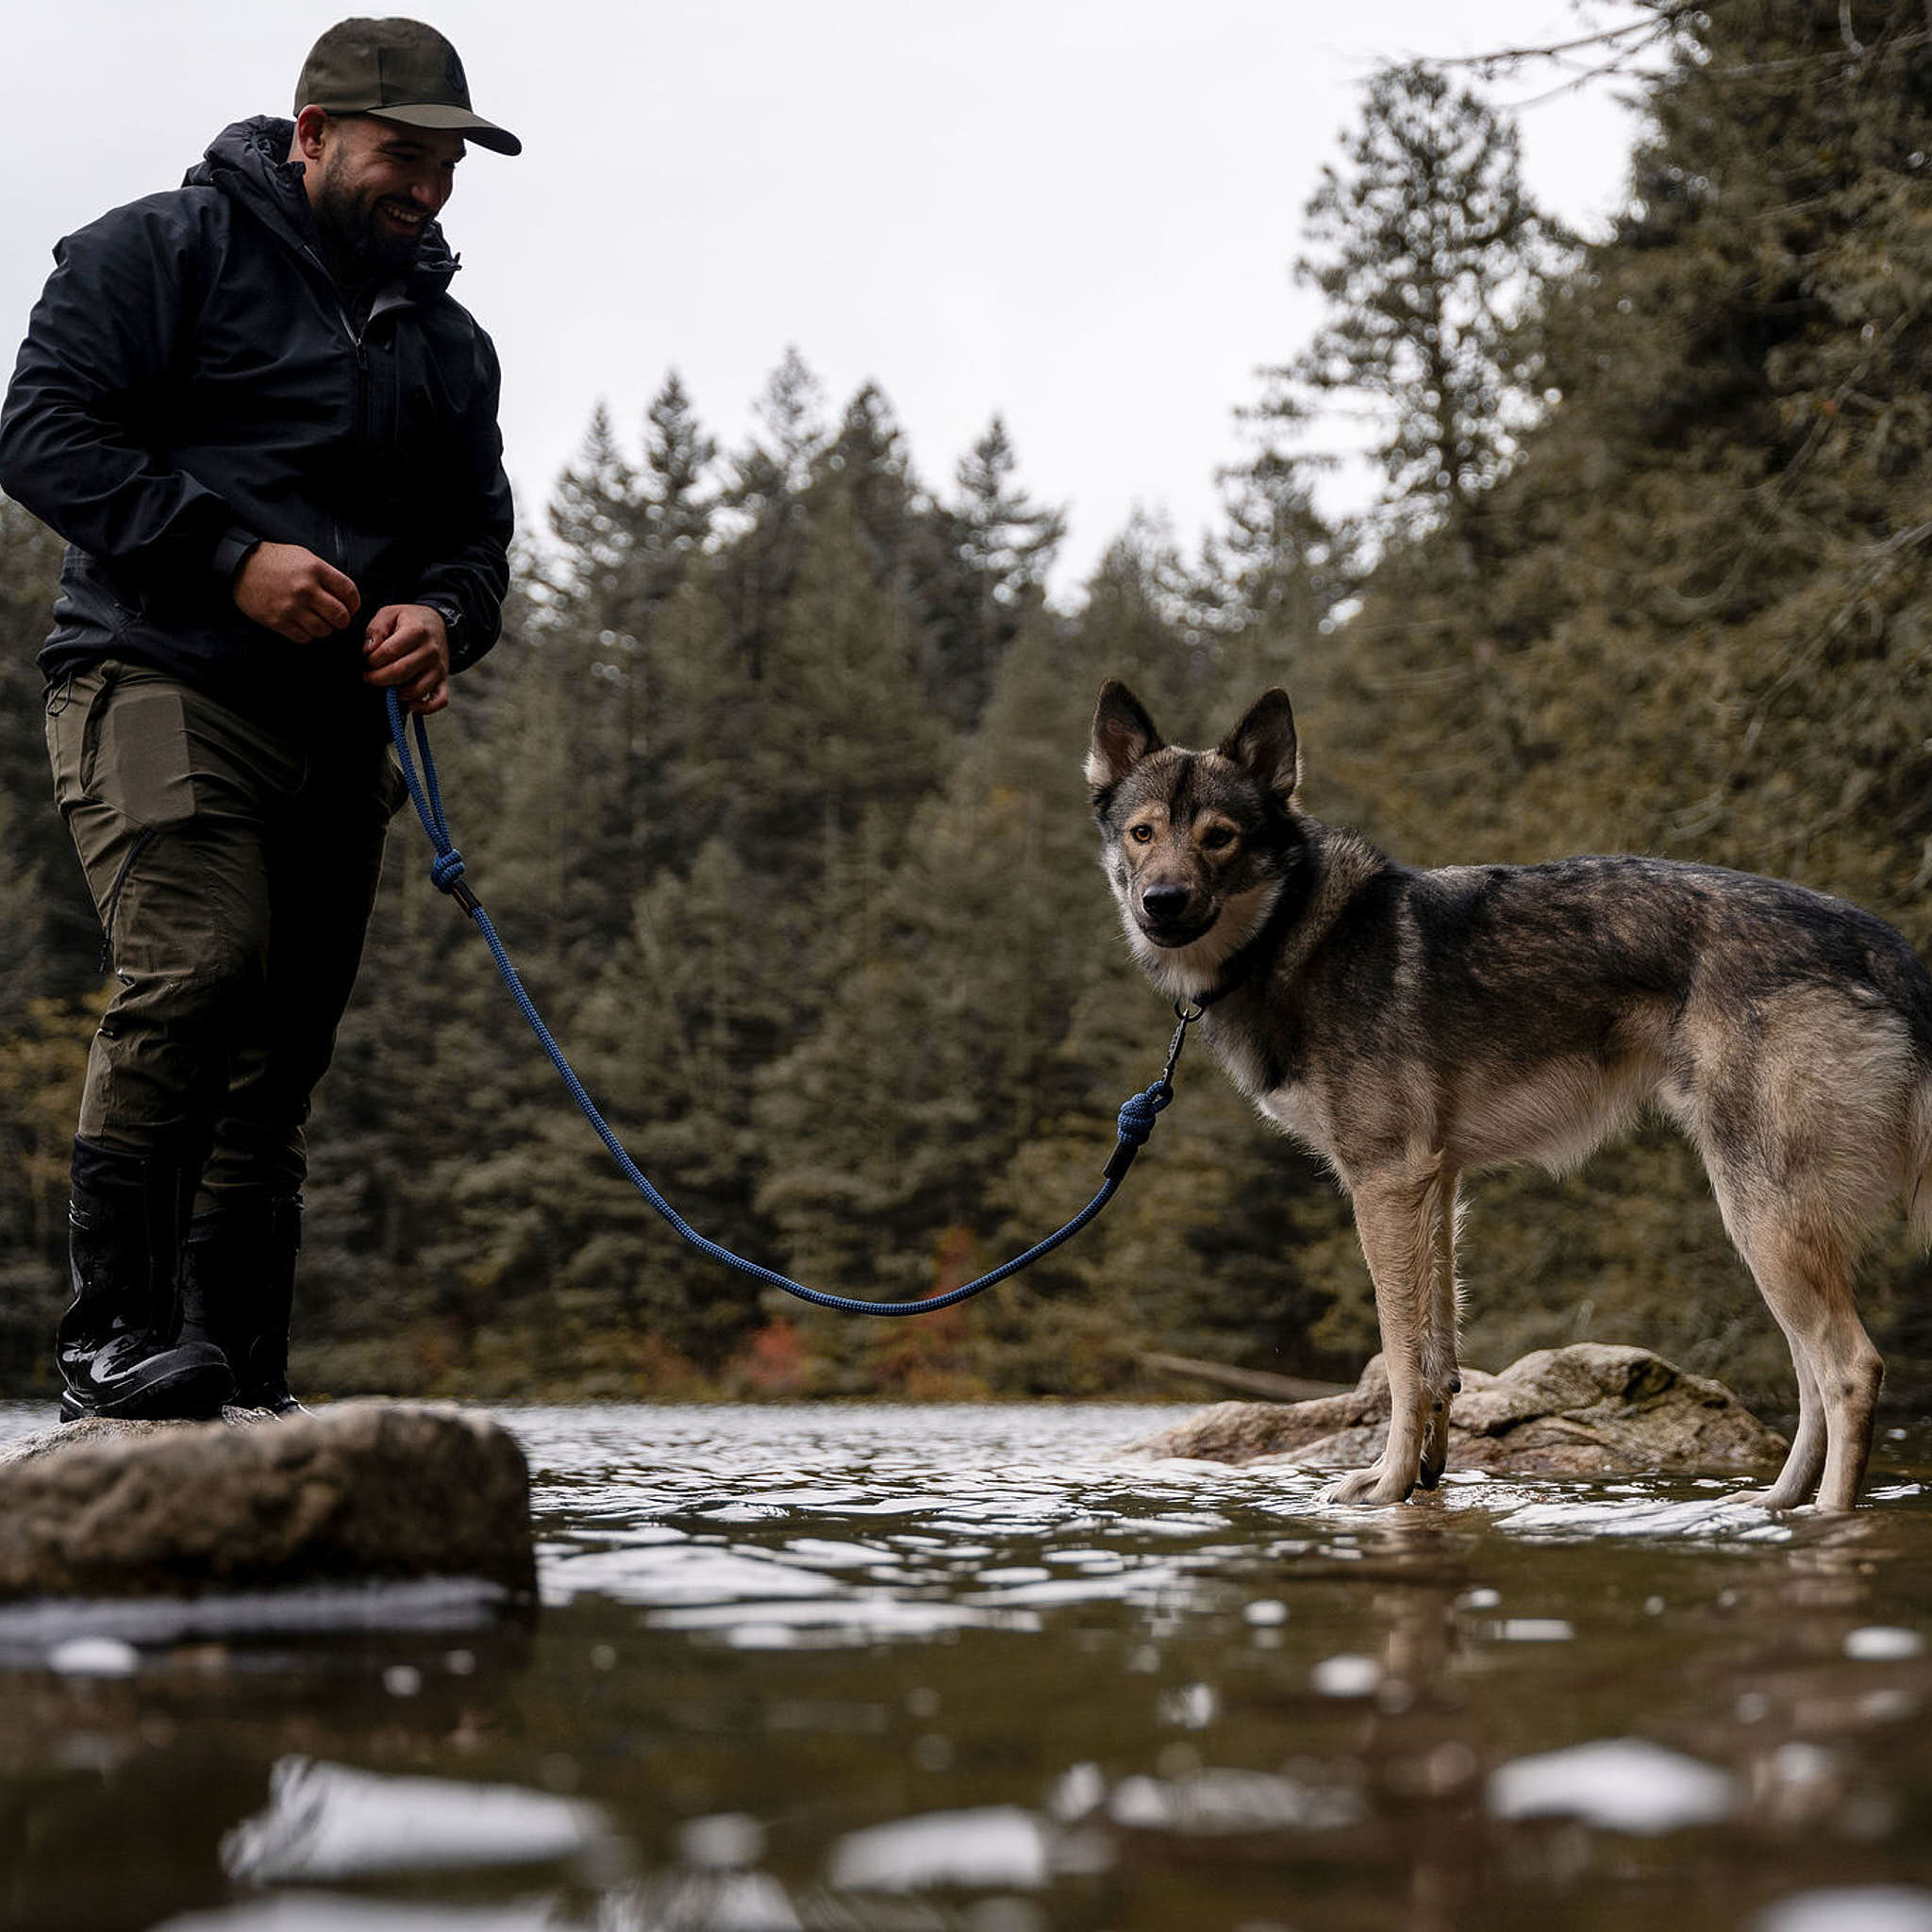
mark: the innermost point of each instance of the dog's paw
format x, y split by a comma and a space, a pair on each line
1779, 1497
1369, 1485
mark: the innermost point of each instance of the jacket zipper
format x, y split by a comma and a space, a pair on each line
362, 354
361, 426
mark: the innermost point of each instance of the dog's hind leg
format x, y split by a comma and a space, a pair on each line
1804, 1464
1843, 1367
1399, 1217
1439, 1378
1804, 1275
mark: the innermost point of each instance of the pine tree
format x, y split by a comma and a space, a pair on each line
999, 546
678, 502
1428, 249
864, 468
1010, 541
1275, 576
764, 500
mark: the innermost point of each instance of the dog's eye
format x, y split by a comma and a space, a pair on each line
1139, 834
1217, 837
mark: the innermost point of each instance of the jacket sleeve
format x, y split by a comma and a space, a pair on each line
472, 566
106, 333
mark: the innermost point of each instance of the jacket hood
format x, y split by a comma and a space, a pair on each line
249, 161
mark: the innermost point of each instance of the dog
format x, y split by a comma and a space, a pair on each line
1412, 1026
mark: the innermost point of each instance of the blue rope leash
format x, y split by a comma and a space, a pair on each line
1135, 1125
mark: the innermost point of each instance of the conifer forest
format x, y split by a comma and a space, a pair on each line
772, 789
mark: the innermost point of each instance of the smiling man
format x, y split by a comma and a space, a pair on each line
269, 436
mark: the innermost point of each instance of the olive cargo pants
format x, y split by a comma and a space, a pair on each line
234, 872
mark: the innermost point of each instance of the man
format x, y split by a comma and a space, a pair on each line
269, 436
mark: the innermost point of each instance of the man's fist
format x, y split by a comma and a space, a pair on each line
291, 592
406, 651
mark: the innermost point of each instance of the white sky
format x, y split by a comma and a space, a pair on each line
1079, 214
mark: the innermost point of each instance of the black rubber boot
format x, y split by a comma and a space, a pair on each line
118, 1345
237, 1288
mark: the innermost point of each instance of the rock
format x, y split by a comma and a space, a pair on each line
358, 1491
1593, 1408
104, 1429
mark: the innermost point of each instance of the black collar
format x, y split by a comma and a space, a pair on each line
1239, 965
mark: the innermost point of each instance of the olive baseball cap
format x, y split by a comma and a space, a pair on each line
397, 70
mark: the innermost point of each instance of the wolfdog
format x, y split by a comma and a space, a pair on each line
1411, 1027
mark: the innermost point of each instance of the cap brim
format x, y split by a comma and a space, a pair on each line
447, 119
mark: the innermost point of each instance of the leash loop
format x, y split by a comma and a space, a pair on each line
1136, 1120
1187, 1012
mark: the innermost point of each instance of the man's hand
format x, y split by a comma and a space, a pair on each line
293, 592
406, 651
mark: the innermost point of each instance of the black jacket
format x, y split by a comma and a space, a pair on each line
192, 382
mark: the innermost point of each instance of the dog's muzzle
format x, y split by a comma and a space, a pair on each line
1169, 917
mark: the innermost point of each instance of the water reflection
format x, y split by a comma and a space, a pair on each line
961, 1668
321, 1912
1618, 1784
1850, 1909
998, 1846
328, 1821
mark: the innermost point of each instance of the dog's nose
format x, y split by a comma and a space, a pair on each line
1163, 903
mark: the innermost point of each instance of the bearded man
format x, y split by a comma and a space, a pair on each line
269, 437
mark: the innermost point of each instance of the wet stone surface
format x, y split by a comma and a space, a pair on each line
1592, 1408
361, 1491
964, 1667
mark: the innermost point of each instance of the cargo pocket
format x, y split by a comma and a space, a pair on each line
118, 745
136, 755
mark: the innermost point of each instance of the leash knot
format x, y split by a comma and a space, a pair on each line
446, 870
1138, 1112
1135, 1127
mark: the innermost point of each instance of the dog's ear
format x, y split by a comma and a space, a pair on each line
1264, 745
1123, 734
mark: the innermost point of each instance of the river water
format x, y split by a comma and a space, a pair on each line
933, 1667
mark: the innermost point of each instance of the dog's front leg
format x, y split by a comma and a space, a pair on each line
1440, 1381
1397, 1215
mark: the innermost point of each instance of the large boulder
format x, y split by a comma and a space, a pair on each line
359, 1490
1593, 1408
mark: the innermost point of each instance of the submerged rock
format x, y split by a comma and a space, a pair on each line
358, 1491
1593, 1408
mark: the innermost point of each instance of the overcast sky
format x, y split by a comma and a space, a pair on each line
1078, 214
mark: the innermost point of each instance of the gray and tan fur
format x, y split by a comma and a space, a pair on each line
1411, 1026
